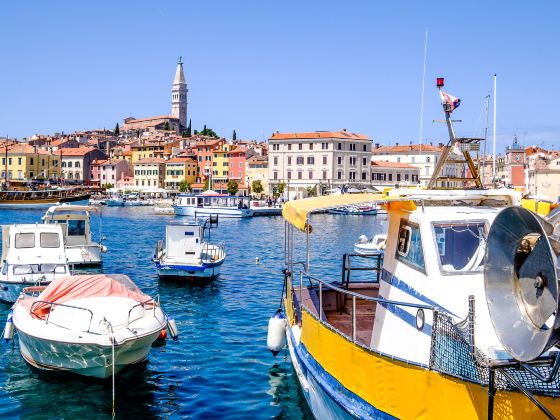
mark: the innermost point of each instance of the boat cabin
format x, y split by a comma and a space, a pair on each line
74, 221
214, 200
184, 240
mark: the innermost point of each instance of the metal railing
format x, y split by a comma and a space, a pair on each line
63, 305
319, 285
212, 252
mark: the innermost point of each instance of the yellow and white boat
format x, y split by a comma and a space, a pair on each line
459, 325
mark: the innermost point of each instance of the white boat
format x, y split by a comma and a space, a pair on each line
164, 210
357, 210
186, 253
92, 325
369, 246
32, 255
75, 221
212, 203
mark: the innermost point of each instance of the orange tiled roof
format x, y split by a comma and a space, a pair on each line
341, 134
149, 160
77, 151
180, 160
408, 148
387, 164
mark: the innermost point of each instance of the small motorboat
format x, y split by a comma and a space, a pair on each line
362, 210
75, 221
185, 252
32, 254
92, 325
371, 246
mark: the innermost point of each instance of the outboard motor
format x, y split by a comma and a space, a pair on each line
521, 279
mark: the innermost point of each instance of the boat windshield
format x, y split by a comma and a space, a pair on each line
39, 269
461, 247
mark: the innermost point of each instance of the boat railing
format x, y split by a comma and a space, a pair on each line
154, 302
212, 252
348, 268
320, 286
62, 305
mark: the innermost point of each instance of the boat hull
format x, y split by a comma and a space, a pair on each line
205, 272
88, 359
41, 203
83, 255
207, 211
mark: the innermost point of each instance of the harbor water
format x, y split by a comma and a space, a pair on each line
220, 367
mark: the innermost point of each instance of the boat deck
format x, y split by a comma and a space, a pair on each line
337, 308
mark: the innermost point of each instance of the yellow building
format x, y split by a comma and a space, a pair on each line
257, 170
220, 163
180, 169
149, 148
23, 162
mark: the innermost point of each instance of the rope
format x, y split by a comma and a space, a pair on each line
113, 366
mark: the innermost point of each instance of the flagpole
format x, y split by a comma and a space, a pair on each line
494, 135
423, 88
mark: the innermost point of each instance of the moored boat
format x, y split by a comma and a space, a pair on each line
40, 198
93, 325
186, 253
357, 210
364, 245
212, 203
32, 254
79, 245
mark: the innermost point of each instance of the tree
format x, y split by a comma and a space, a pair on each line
234, 136
207, 184
195, 132
257, 187
184, 186
232, 187
189, 132
107, 186
117, 130
312, 191
166, 125
281, 188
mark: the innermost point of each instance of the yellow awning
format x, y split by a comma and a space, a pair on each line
296, 212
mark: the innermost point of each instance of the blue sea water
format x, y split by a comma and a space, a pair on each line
220, 366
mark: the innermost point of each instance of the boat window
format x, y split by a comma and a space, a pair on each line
49, 240
76, 227
409, 246
25, 269
25, 240
461, 246
53, 268
39, 269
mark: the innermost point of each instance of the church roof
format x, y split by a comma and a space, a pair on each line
179, 74
341, 134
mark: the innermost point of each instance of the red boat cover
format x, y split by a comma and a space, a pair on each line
77, 287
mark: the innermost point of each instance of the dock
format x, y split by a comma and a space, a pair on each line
266, 211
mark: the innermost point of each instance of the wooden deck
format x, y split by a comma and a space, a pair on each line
337, 308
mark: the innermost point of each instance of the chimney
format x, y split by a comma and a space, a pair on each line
440, 144
377, 145
397, 143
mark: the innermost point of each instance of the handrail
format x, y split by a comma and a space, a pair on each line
66, 306
155, 304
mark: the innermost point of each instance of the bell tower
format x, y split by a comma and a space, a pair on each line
179, 95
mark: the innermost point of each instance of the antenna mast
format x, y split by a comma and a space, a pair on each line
423, 86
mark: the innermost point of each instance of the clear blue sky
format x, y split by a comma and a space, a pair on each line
261, 66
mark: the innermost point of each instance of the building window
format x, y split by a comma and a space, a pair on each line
398, 159
77, 165
275, 175
364, 161
412, 159
276, 160
289, 146
310, 160
364, 148
300, 146
352, 146
406, 177
19, 161
398, 177
363, 176
339, 175
324, 160
339, 146
289, 160
325, 146
310, 174
300, 160
300, 175
63, 164
390, 177
427, 159
310, 146
339, 160
352, 160
352, 176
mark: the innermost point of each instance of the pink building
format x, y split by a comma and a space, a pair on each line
95, 172
113, 170
237, 164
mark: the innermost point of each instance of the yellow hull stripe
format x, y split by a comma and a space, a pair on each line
403, 390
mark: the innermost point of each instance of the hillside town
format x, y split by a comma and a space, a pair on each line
164, 154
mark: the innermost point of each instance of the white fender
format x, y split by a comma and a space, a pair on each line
276, 339
173, 330
9, 329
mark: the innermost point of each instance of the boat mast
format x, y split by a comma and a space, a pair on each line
423, 88
487, 102
494, 141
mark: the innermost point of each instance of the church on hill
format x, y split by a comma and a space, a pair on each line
177, 121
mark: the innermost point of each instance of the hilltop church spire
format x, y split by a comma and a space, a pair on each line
179, 95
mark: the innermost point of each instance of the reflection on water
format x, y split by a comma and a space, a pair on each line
220, 366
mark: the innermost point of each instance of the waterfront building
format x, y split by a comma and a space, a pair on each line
95, 172
237, 164
389, 174
22, 162
112, 170
306, 160
424, 157
515, 163
76, 163
257, 170
149, 172
152, 148
204, 151
179, 169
